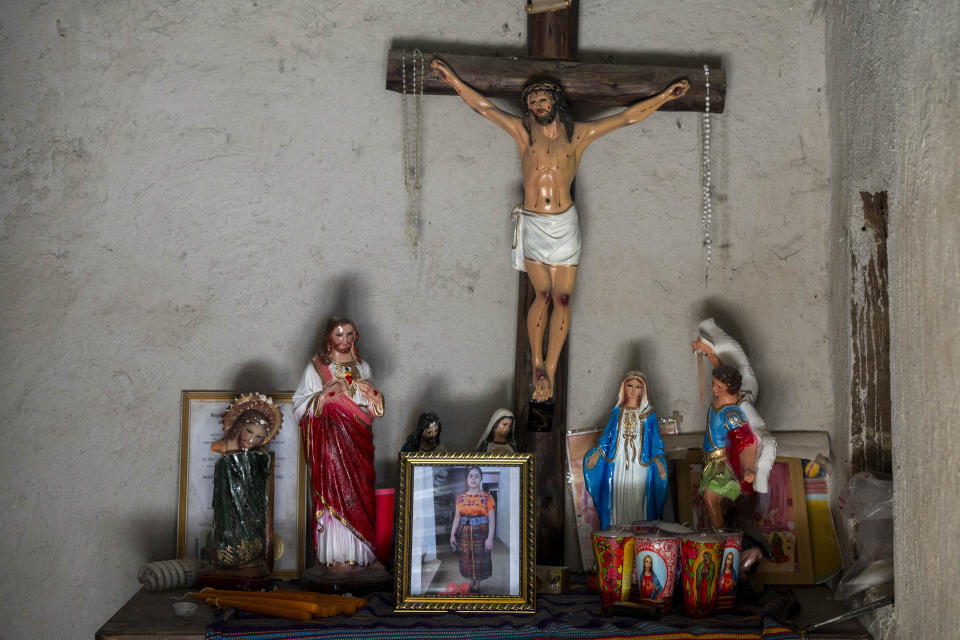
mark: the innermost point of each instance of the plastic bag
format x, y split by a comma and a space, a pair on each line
862, 576
867, 496
875, 540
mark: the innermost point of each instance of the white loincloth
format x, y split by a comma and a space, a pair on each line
552, 239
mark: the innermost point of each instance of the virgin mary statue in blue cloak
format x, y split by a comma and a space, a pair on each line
626, 473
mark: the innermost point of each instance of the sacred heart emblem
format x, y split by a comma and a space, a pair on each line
348, 377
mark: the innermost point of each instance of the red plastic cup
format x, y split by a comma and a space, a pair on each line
383, 525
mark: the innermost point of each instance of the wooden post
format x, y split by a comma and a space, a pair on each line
553, 35
870, 432
548, 36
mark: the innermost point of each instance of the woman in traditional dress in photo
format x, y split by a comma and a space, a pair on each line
474, 524
242, 536
498, 437
626, 473
728, 578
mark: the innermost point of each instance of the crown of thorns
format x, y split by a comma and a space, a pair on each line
539, 85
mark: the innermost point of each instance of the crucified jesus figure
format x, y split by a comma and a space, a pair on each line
546, 241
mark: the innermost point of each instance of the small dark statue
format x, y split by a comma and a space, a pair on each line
241, 542
426, 437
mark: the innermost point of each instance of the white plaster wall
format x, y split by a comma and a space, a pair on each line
191, 188
643, 266
894, 89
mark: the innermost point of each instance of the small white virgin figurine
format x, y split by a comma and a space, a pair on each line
626, 473
498, 436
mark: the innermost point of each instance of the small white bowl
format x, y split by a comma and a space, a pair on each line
184, 609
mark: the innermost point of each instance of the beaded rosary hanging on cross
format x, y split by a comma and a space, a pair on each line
412, 134
706, 214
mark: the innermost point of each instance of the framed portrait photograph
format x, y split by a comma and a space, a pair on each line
780, 516
464, 532
200, 426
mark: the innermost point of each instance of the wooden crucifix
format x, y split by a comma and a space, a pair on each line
550, 253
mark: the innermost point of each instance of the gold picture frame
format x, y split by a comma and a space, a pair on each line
428, 567
781, 515
200, 426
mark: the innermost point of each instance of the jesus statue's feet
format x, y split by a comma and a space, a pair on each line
542, 387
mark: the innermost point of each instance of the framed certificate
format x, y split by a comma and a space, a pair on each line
200, 426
